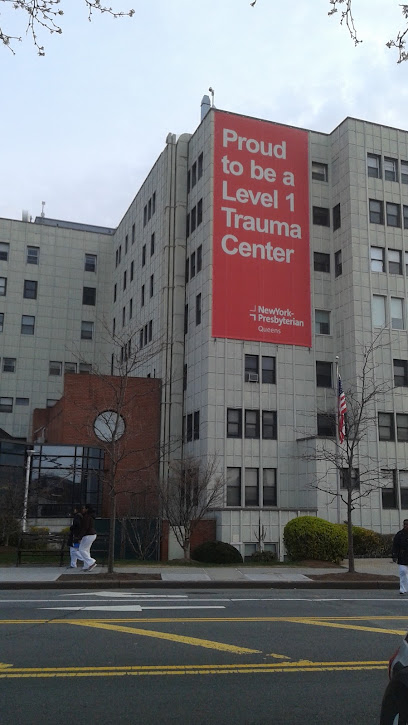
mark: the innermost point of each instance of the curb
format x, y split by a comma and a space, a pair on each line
146, 584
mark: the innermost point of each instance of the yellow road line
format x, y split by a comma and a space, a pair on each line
321, 623
166, 620
208, 644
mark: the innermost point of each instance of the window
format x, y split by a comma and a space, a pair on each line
192, 265
154, 202
133, 234
151, 285
234, 423
1, 321
187, 270
199, 212
149, 209
123, 316
51, 402
27, 324
114, 326
376, 211
394, 261
403, 482
386, 427
152, 245
374, 166
6, 405
377, 257
198, 309
323, 374
89, 295
188, 225
321, 216
130, 308
404, 172
390, 169
400, 373
321, 262
336, 217
378, 311
33, 255
193, 174
405, 213
55, 367
70, 367
269, 487
200, 166
120, 253
22, 401
115, 292
87, 330
338, 266
322, 322
269, 427
185, 376
90, 262
3, 286
9, 365
319, 171
143, 295
199, 258
30, 289
251, 487
141, 339
196, 425
193, 219
393, 214
353, 481
145, 215
326, 425
268, 369
251, 369
143, 255
132, 271
116, 258
4, 251
389, 497
126, 243
124, 280
252, 424
85, 368
185, 319
397, 313
190, 427
233, 487
402, 427
188, 181
150, 330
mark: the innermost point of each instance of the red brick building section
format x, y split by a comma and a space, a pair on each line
71, 422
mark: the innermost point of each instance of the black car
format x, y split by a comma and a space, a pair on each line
394, 709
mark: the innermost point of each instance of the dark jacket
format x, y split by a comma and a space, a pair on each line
75, 529
400, 547
88, 525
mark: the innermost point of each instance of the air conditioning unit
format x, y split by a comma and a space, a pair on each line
253, 377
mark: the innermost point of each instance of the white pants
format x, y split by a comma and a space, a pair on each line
74, 554
85, 550
403, 572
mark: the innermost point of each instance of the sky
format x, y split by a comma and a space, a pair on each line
81, 127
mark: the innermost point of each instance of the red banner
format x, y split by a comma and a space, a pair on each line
261, 262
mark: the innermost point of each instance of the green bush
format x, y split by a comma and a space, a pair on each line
370, 544
263, 557
216, 552
37, 531
309, 537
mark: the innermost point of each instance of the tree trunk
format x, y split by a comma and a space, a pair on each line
112, 523
186, 549
350, 552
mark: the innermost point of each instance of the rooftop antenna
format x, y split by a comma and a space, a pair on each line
42, 209
212, 96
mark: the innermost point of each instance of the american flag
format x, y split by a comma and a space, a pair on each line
342, 409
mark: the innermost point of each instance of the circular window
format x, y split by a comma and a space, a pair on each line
109, 426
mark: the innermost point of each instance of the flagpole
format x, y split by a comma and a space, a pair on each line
337, 442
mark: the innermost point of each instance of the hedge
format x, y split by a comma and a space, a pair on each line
216, 552
308, 537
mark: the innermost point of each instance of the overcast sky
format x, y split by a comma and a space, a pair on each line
81, 127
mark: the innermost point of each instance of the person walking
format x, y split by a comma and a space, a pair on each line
74, 536
400, 555
88, 536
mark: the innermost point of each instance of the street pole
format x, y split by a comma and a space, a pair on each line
337, 442
29, 453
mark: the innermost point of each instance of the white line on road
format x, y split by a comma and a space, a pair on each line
122, 608
121, 595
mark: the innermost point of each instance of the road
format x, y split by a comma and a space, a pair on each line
196, 657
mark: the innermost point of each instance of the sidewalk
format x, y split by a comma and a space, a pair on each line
371, 573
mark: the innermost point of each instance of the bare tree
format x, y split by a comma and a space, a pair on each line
192, 488
11, 503
46, 15
357, 475
141, 525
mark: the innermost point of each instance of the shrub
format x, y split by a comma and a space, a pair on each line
368, 543
216, 552
309, 537
263, 557
37, 531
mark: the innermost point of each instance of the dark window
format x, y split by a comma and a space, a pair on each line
4, 251
145, 215
1, 321
269, 425
402, 427
3, 286
149, 209
374, 166
194, 174
252, 424
185, 376
9, 365
22, 401
393, 214
338, 265
400, 373
188, 181
199, 212
150, 330
251, 368
394, 261
199, 258
251, 487
132, 271
326, 425
143, 295
141, 338
190, 427
321, 216
145, 331
27, 325
376, 211
389, 489
55, 367
233, 487
6, 405
386, 430
323, 374
390, 169
151, 285
198, 309
120, 253
116, 258
123, 316
130, 308
133, 234
405, 211
115, 292
403, 482
188, 225
321, 262
322, 322
143, 255
33, 255
404, 172
234, 423
196, 430
89, 296
185, 319
30, 289
152, 245
126, 243
114, 327
87, 330
336, 217
187, 272
319, 171
192, 265
269, 487
90, 262
124, 279
193, 219
200, 166
348, 478
268, 369
154, 203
